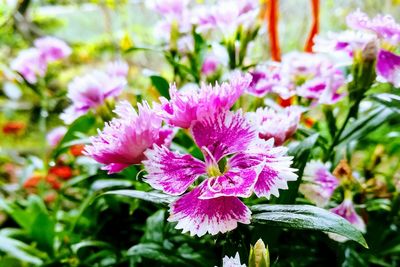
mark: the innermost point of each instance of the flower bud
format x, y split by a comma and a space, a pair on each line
259, 255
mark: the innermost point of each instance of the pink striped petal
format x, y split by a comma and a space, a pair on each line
170, 171
235, 182
201, 216
223, 133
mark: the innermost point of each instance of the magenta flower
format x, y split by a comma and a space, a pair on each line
52, 49
319, 183
191, 105
388, 67
90, 91
123, 141
267, 79
210, 65
30, 64
55, 135
277, 124
237, 163
347, 211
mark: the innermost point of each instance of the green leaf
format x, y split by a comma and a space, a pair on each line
155, 228
388, 100
306, 217
161, 85
155, 253
81, 125
142, 48
300, 154
154, 197
110, 183
19, 250
90, 243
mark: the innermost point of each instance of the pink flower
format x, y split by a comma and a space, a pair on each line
30, 64
388, 67
384, 26
117, 68
55, 135
277, 124
90, 91
347, 211
191, 105
237, 163
319, 183
210, 65
267, 79
52, 49
124, 140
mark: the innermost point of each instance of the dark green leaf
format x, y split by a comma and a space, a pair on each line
306, 217
388, 100
154, 197
110, 183
154, 228
161, 85
19, 250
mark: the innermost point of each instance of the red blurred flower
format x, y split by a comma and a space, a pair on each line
77, 150
285, 102
33, 181
52, 179
49, 198
13, 127
63, 172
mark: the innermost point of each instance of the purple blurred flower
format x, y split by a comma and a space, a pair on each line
30, 64
91, 90
277, 124
52, 49
55, 135
319, 183
117, 68
124, 140
267, 79
388, 67
210, 65
185, 107
252, 165
347, 211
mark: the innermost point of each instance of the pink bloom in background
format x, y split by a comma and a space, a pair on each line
232, 261
384, 26
347, 211
267, 79
319, 183
123, 141
30, 64
388, 67
91, 90
251, 165
52, 49
277, 124
55, 135
210, 65
185, 107
117, 68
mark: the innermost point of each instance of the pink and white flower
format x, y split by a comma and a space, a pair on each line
267, 79
123, 140
237, 163
55, 135
185, 107
91, 90
319, 183
277, 124
30, 64
52, 48
388, 67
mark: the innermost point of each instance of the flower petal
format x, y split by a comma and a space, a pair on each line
388, 67
235, 182
170, 171
201, 216
223, 133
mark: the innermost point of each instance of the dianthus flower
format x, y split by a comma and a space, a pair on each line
185, 107
388, 67
52, 49
277, 124
92, 89
237, 163
55, 135
123, 140
319, 183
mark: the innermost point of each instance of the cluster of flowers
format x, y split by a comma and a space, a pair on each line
32, 63
382, 31
235, 161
